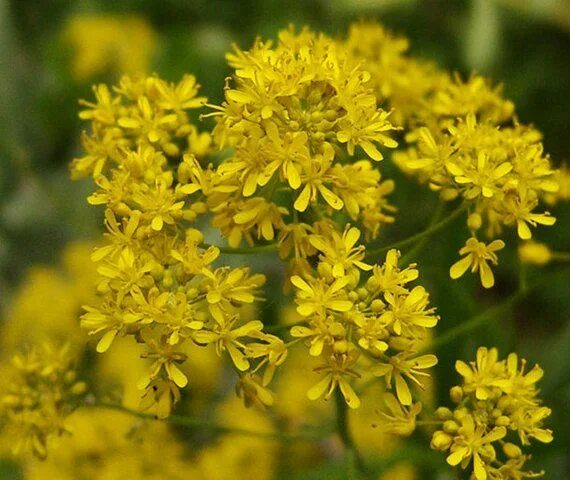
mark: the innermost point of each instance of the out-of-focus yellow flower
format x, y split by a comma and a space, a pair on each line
236, 456
36, 397
402, 471
46, 303
535, 253
398, 419
109, 43
401, 82
562, 179
109, 445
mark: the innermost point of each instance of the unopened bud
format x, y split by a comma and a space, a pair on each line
456, 394
511, 450
474, 221
441, 440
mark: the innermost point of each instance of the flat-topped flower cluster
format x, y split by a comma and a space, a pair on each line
292, 166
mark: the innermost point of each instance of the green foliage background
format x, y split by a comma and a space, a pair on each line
523, 44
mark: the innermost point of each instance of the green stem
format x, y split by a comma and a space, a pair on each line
428, 422
355, 464
428, 232
272, 247
201, 424
561, 256
283, 327
476, 321
436, 217
487, 315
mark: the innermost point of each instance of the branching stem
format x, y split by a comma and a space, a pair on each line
205, 425
272, 247
423, 234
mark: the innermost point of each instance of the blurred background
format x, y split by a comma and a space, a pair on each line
52, 51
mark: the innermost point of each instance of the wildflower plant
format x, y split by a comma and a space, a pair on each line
292, 166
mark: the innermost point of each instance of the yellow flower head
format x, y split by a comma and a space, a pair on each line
383, 322
477, 254
498, 406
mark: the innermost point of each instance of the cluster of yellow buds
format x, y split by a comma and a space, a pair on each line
378, 327
39, 392
497, 410
158, 282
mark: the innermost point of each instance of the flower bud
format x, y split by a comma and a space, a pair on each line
474, 221
441, 440
456, 394
450, 426
377, 305
443, 413
511, 450
503, 421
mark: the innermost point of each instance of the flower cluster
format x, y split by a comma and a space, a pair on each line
141, 112
299, 134
158, 281
376, 327
500, 171
295, 114
401, 83
497, 410
463, 139
40, 391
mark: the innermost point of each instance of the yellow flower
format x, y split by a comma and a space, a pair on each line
474, 443
313, 179
477, 254
481, 376
341, 252
226, 337
315, 296
337, 368
225, 287
399, 420
358, 128
483, 176
401, 366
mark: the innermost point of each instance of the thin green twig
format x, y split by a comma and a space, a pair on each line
487, 315
475, 322
423, 234
271, 247
416, 249
205, 425
355, 463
